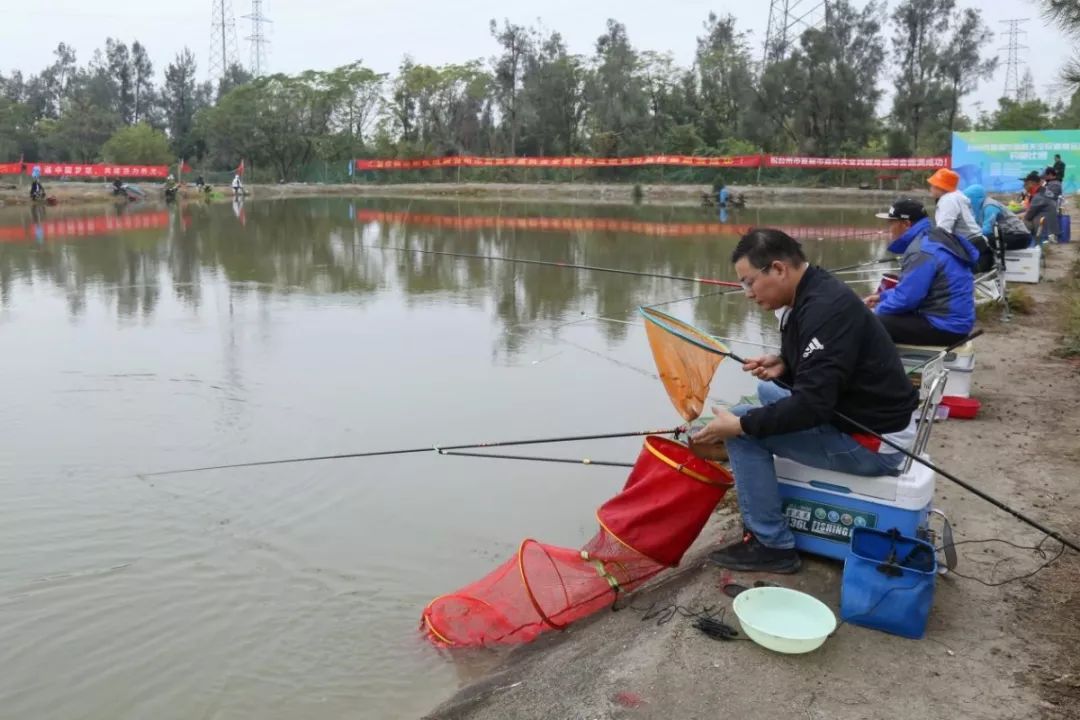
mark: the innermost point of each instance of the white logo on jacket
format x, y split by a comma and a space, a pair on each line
813, 345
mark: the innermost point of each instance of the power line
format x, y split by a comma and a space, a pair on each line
260, 42
1012, 64
787, 19
222, 38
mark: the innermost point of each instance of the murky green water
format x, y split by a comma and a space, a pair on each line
206, 335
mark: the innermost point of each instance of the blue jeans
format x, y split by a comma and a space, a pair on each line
823, 447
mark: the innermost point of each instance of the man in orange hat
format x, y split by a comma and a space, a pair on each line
954, 212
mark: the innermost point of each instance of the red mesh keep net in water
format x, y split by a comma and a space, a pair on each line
646, 527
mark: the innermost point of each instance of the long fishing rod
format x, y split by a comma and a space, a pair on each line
570, 461
571, 266
411, 451
945, 474
868, 263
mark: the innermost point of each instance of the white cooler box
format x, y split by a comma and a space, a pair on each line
959, 362
822, 507
1023, 266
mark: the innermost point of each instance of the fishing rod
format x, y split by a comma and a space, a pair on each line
571, 266
570, 461
411, 451
945, 474
868, 263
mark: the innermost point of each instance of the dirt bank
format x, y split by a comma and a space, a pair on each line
90, 193
991, 653
87, 193
595, 193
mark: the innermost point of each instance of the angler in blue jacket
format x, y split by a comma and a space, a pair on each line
934, 301
993, 215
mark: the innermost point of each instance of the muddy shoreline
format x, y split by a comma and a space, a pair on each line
990, 653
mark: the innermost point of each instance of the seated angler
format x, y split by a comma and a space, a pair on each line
933, 302
838, 359
996, 219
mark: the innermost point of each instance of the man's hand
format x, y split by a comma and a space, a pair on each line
766, 367
872, 300
725, 425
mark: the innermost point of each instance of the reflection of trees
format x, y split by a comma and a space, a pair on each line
314, 246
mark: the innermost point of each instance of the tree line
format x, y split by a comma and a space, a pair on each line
535, 97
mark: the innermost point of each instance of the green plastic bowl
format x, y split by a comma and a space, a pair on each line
784, 620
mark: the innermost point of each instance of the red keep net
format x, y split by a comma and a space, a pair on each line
648, 526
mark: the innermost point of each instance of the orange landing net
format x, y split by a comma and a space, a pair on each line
686, 359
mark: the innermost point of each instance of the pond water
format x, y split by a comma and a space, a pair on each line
138, 340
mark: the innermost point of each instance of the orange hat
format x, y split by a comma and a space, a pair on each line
945, 179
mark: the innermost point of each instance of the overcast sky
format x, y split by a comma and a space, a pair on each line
320, 34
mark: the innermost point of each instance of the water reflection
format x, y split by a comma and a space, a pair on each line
334, 246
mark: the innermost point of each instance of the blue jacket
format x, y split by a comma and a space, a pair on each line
991, 213
936, 278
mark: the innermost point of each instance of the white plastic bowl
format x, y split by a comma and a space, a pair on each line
784, 620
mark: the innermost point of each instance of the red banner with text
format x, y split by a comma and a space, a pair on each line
819, 163
740, 161
98, 170
734, 161
84, 170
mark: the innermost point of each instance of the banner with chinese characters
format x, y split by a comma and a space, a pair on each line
73, 171
733, 161
11, 168
738, 161
998, 160
820, 163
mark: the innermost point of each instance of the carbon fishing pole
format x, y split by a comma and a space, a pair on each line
571, 266
570, 461
412, 451
943, 473
868, 263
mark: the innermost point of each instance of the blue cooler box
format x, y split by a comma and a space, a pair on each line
824, 507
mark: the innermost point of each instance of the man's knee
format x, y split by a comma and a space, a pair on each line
745, 445
769, 392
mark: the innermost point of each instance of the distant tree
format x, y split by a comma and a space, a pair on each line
180, 101
138, 145
142, 82
962, 63
515, 43
918, 46
121, 73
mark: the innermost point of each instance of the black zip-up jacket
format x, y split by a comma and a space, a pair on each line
838, 357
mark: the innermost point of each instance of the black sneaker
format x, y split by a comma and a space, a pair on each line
751, 556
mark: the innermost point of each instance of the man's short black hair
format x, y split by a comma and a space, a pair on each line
1058, 157
763, 246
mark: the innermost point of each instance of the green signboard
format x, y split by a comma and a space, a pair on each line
997, 160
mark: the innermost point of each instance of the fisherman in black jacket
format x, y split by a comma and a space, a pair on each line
837, 358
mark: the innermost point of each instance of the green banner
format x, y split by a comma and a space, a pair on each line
998, 160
